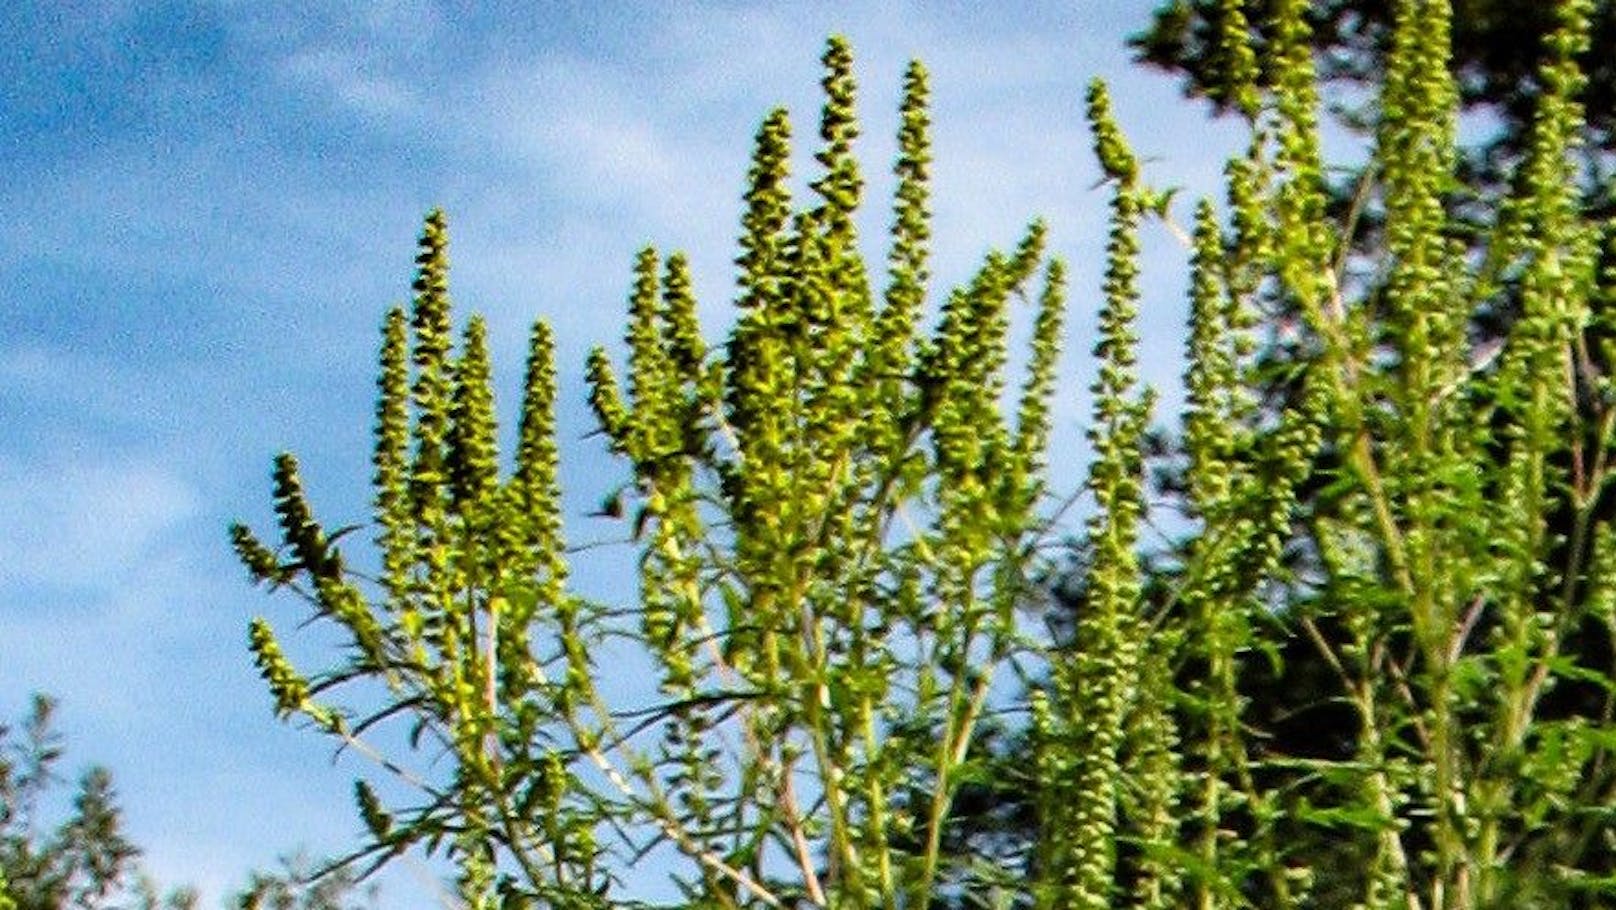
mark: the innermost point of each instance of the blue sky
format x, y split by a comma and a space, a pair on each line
211, 205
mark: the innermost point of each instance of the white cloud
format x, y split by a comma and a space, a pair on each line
87, 523
27, 365
354, 81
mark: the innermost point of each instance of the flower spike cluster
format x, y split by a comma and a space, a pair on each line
832, 520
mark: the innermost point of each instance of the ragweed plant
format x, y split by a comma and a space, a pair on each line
833, 521
1447, 572
836, 520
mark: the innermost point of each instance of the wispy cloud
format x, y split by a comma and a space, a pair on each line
91, 525
344, 74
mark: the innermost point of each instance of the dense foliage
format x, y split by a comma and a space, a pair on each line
80, 861
837, 522
80, 858
1497, 52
